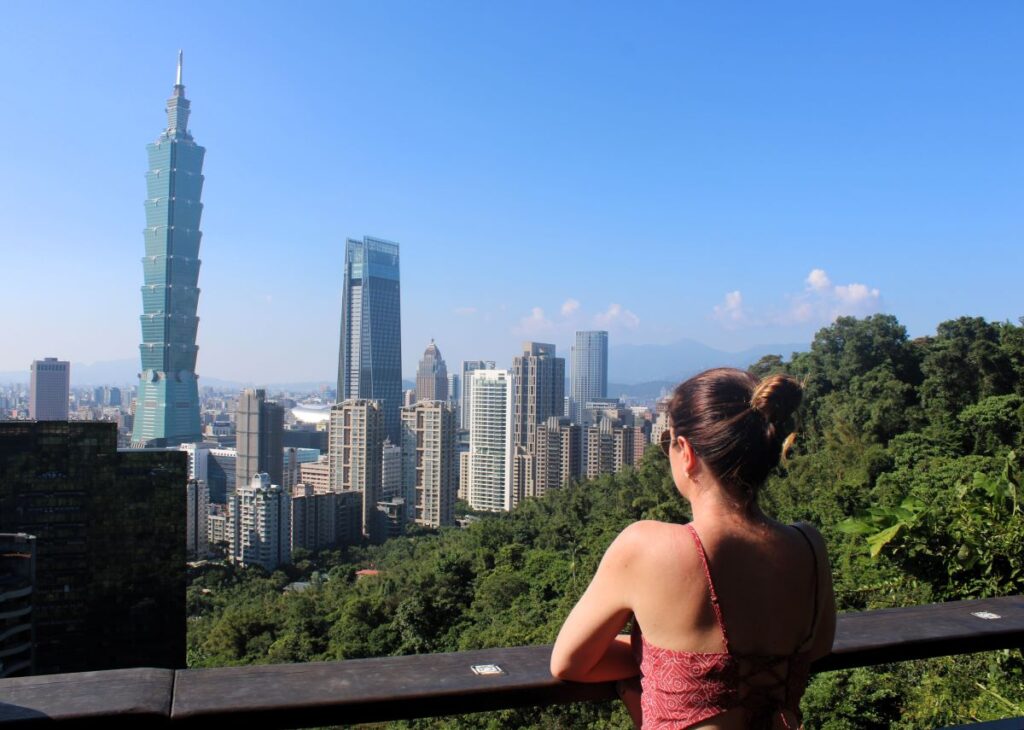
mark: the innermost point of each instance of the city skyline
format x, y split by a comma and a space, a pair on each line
830, 172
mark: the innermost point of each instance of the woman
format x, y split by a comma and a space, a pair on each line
733, 606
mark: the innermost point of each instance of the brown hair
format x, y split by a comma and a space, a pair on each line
736, 423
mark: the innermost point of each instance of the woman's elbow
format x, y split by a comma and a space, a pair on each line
561, 667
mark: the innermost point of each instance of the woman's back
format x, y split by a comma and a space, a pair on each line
745, 660
765, 581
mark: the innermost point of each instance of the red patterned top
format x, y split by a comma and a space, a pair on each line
683, 688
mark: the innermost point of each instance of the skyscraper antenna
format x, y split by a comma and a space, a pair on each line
180, 57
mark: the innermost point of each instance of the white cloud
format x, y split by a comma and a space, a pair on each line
856, 295
535, 324
569, 307
822, 301
617, 317
465, 311
819, 303
818, 280
731, 310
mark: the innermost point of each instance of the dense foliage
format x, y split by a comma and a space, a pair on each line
908, 459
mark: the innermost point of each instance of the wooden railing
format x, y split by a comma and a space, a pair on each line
389, 688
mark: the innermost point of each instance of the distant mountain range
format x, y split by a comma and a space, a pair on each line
639, 371
644, 364
646, 372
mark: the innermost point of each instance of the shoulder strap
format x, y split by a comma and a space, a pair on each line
814, 557
711, 584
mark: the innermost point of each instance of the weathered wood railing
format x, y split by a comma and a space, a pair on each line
388, 688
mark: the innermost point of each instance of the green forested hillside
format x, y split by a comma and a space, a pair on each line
909, 459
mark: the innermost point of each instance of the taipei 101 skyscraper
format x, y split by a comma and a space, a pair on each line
167, 408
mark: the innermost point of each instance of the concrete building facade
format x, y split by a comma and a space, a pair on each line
314, 518
538, 393
557, 457
49, 388
316, 474
259, 425
609, 448
260, 514
429, 464
197, 511
355, 455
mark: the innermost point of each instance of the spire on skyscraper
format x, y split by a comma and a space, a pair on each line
178, 107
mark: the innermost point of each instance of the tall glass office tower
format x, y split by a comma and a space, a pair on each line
167, 410
589, 379
370, 350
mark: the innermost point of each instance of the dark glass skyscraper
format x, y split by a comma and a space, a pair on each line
370, 351
110, 537
167, 411
589, 378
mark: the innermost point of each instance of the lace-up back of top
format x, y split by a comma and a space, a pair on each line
683, 688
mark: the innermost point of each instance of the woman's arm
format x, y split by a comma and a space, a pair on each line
588, 647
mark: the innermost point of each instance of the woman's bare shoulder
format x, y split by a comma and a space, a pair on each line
655, 544
643, 530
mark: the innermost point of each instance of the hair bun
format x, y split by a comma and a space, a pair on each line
777, 397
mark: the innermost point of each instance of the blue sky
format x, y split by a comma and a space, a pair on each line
732, 174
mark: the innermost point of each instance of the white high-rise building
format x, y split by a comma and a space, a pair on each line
197, 510
260, 514
49, 389
468, 366
429, 464
198, 457
589, 369
490, 440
